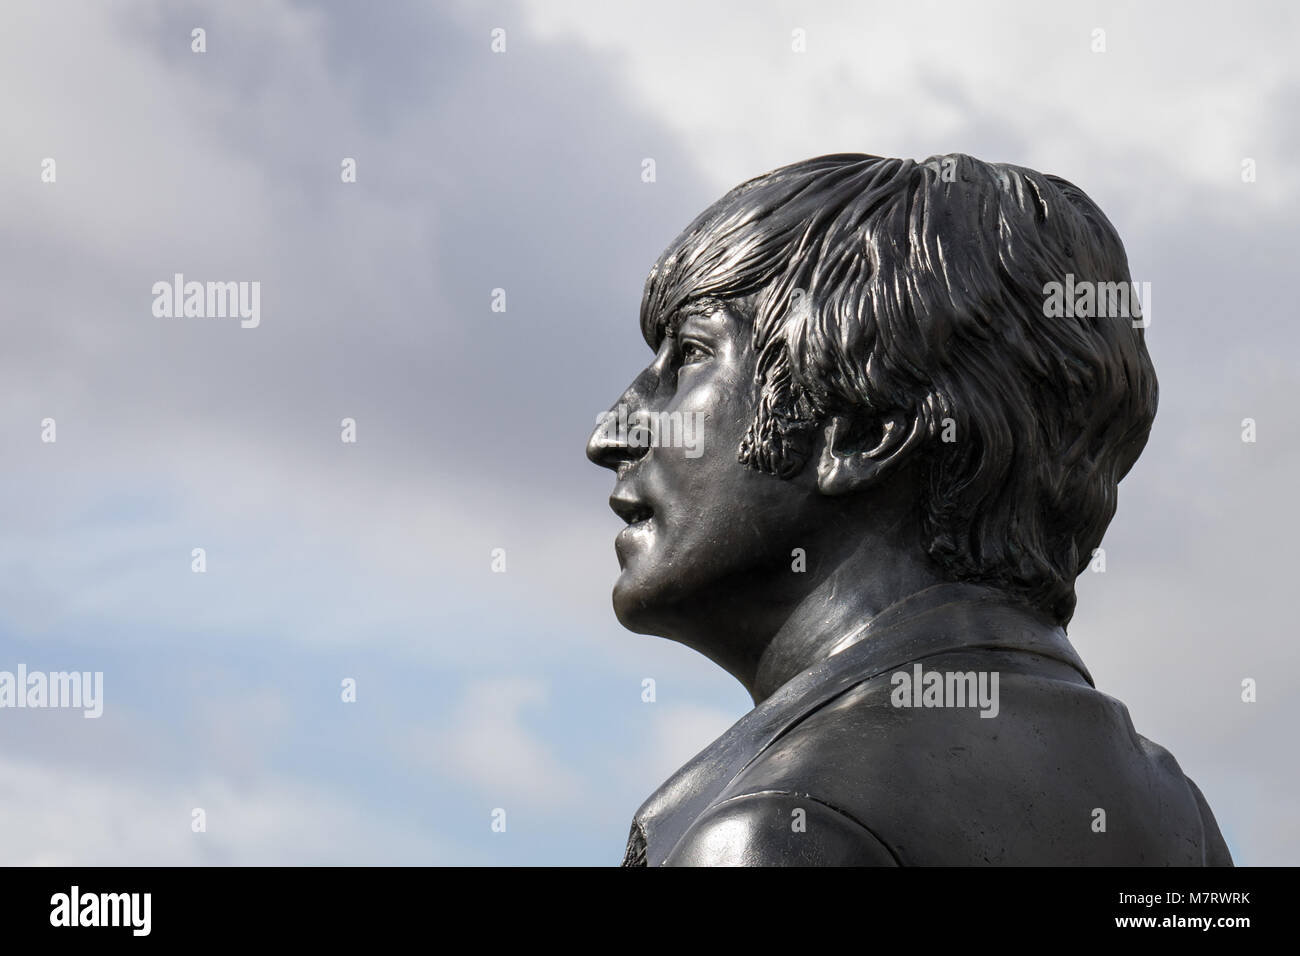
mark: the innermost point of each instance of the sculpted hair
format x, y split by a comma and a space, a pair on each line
879, 285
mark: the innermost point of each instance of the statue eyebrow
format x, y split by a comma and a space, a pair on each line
701, 306
695, 308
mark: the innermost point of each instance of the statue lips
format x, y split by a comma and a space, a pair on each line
638, 515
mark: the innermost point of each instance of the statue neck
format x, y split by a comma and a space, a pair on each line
871, 578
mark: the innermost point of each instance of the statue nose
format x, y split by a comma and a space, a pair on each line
616, 440
609, 444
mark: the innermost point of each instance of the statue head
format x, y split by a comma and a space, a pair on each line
866, 356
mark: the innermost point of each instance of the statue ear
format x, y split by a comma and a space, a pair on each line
845, 468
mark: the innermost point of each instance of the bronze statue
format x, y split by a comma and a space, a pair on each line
905, 455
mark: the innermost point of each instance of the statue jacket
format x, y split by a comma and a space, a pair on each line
853, 763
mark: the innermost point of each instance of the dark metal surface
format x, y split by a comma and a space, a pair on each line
871, 452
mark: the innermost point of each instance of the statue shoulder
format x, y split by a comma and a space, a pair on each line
1214, 847
778, 828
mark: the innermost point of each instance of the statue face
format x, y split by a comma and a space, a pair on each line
706, 535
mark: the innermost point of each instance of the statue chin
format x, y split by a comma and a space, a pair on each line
639, 606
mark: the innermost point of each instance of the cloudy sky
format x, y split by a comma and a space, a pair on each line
521, 170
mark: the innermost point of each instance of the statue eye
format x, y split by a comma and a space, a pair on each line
692, 352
